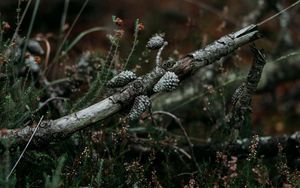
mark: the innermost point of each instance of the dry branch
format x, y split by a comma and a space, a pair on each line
267, 147
53, 130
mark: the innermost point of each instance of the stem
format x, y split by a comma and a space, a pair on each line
36, 7
63, 18
70, 30
36, 128
177, 120
20, 22
135, 42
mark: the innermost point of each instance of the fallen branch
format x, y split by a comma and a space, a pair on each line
53, 130
267, 147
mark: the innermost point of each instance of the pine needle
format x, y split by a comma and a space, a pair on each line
36, 128
279, 13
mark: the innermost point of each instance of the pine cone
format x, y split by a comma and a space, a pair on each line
238, 94
155, 42
168, 82
34, 47
121, 79
140, 105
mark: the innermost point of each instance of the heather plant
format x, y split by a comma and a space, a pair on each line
106, 123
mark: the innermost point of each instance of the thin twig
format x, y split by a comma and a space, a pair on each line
36, 128
36, 7
177, 120
159, 53
186, 174
277, 14
48, 51
63, 18
151, 117
26, 78
182, 151
135, 42
110, 65
20, 22
213, 10
47, 101
59, 81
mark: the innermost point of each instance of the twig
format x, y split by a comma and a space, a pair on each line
158, 56
213, 10
258, 12
284, 38
35, 129
110, 54
63, 18
267, 147
47, 101
277, 14
36, 7
135, 42
183, 152
48, 51
187, 174
177, 120
59, 81
20, 22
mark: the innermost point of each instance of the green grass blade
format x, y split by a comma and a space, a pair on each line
36, 7
81, 35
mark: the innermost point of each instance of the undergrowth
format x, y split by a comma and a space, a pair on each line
112, 153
